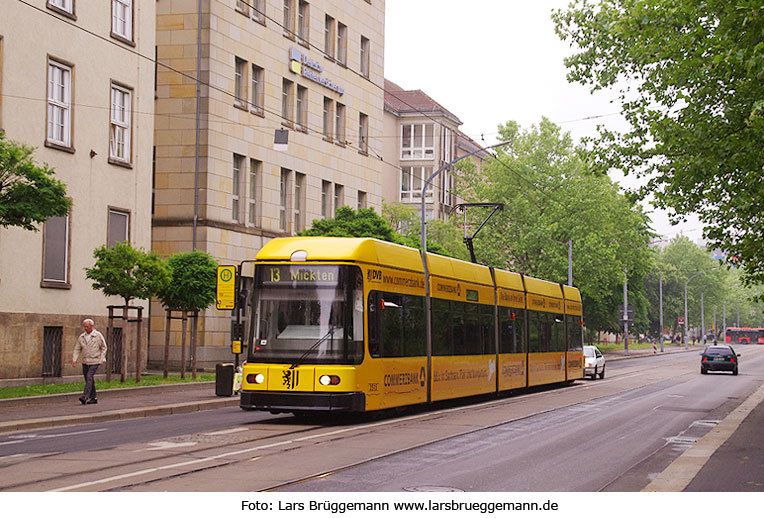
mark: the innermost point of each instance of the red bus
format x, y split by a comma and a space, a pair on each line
744, 335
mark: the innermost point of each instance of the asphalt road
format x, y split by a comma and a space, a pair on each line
613, 434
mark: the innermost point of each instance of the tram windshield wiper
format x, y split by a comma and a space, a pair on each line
312, 348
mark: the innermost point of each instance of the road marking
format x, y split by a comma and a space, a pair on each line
9, 442
165, 445
224, 432
50, 436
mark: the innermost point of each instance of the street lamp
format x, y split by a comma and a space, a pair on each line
686, 323
427, 300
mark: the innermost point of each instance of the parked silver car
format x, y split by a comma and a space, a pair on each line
594, 362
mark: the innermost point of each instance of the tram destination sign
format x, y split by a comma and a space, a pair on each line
302, 275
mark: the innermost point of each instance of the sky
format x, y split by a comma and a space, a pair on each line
495, 61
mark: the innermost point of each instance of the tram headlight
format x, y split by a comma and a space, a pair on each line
329, 380
256, 379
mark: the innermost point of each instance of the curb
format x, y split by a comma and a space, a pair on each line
645, 353
117, 415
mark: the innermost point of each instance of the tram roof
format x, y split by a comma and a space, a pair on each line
375, 251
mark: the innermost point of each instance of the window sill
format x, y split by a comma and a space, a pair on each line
120, 163
363, 152
330, 140
57, 285
260, 112
340, 143
121, 38
287, 124
289, 35
302, 129
60, 147
305, 43
261, 21
241, 105
62, 12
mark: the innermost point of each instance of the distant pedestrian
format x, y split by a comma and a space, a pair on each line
92, 347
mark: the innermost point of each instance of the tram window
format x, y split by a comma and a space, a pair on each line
511, 327
392, 325
557, 332
473, 343
442, 344
374, 315
487, 329
457, 327
414, 338
535, 333
575, 337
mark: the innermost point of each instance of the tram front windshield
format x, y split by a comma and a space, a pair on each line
307, 314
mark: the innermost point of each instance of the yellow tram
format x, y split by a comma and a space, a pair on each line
339, 325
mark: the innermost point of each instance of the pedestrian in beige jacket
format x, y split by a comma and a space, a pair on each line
91, 346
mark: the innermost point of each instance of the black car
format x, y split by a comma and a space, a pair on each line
719, 358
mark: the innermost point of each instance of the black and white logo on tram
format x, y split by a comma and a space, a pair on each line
290, 378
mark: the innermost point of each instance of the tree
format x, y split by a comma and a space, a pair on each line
549, 199
192, 284
351, 223
192, 288
29, 194
364, 223
443, 237
128, 272
677, 262
691, 82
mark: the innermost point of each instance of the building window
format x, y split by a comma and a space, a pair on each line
240, 83
329, 36
339, 197
363, 133
242, 6
289, 18
446, 145
56, 250
255, 172
299, 201
284, 199
328, 105
236, 179
361, 200
417, 141
119, 227
446, 185
342, 44
303, 22
59, 104
119, 137
258, 90
287, 88
412, 179
122, 19
365, 56
326, 200
65, 6
339, 127
302, 108
258, 10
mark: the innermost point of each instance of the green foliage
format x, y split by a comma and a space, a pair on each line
550, 198
29, 194
677, 262
691, 80
129, 273
193, 283
351, 223
443, 237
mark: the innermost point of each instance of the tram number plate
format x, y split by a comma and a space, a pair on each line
373, 387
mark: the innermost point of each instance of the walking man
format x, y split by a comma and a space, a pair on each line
92, 347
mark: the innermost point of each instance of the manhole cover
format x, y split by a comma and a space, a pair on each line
432, 489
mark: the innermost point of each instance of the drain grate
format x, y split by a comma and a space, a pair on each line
682, 440
432, 489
